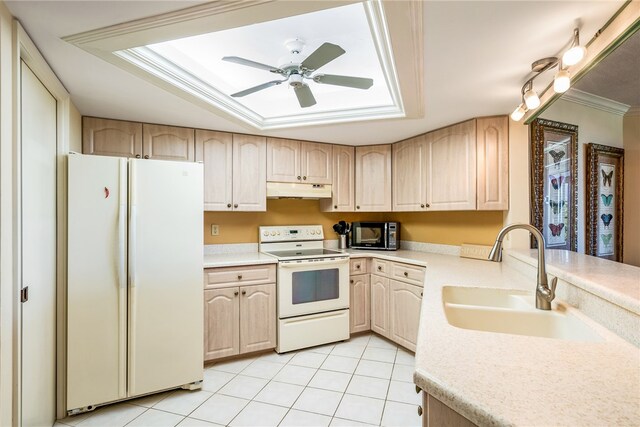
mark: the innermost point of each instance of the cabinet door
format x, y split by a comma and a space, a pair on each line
451, 168
257, 317
111, 137
215, 150
405, 302
168, 143
380, 305
283, 160
373, 178
492, 135
359, 305
316, 163
409, 175
221, 323
343, 182
249, 173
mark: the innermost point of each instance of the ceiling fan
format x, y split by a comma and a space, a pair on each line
295, 70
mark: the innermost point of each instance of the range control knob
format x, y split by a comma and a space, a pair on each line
265, 233
273, 233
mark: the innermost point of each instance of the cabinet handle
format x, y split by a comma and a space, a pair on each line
235, 293
335, 206
351, 281
146, 156
304, 177
419, 411
228, 205
138, 156
299, 177
428, 205
357, 207
422, 205
244, 292
421, 292
239, 276
418, 390
235, 205
379, 268
358, 266
406, 274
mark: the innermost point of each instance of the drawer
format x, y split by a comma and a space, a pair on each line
359, 266
380, 267
407, 273
234, 276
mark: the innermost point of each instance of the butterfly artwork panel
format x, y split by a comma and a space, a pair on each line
604, 201
554, 180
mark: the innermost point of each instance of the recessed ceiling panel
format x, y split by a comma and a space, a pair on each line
195, 64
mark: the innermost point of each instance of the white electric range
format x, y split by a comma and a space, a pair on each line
312, 286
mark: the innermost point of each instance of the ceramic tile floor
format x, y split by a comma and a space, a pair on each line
364, 381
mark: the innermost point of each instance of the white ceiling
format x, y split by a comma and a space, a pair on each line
477, 56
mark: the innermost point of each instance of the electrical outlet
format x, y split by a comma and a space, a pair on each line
215, 230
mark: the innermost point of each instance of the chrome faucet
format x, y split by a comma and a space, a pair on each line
544, 294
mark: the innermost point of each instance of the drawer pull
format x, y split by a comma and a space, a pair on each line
379, 268
239, 276
244, 292
358, 266
406, 274
420, 411
235, 293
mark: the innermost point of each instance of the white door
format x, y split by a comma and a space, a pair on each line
38, 333
96, 280
165, 275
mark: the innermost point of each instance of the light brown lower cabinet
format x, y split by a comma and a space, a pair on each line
359, 307
437, 414
240, 319
405, 301
380, 305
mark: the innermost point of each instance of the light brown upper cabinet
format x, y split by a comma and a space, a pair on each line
106, 137
451, 167
234, 171
161, 142
298, 161
343, 188
492, 135
373, 178
409, 175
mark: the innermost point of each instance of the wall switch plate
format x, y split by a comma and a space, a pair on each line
475, 251
215, 229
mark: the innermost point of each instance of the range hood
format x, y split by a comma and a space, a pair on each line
287, 190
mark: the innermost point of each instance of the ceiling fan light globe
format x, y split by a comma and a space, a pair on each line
574, 55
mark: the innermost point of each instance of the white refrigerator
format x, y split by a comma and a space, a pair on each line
134, 296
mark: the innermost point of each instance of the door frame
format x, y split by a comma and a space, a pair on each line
23, 49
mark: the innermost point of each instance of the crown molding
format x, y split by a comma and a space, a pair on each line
595, 101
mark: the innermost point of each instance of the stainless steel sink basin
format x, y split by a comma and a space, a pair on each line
511, 311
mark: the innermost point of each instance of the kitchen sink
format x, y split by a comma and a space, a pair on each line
511, 311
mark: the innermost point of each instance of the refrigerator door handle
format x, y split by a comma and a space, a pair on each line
122, 280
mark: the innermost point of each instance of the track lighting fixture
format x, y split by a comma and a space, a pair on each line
561, 81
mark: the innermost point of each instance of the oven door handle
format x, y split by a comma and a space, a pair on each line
323, 263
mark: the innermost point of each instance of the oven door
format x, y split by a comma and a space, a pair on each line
312, 286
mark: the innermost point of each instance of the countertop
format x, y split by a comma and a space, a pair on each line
237, 259
500, 379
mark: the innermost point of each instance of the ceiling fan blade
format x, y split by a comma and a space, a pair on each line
249, 63
305, 97
322, 56
257, 88
346, 81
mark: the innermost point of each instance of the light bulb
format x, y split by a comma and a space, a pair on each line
531, 99
518, 113
574, 55
561, 81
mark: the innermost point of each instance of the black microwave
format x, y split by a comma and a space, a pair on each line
384, 236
